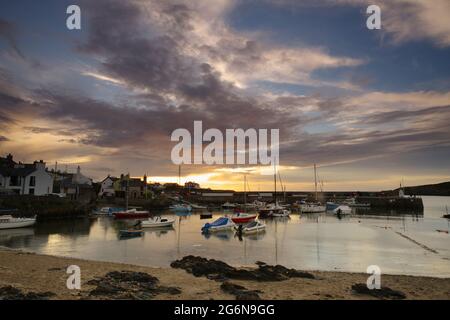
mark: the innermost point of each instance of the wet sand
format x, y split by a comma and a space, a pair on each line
31, 272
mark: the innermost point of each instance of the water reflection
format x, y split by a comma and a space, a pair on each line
310, 241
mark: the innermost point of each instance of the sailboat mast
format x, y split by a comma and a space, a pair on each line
245, 192
275, 181
127, 188
315, 181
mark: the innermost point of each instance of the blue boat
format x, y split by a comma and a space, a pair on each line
129, 233
223, 223
331, 206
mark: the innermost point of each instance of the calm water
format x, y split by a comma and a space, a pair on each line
314, 242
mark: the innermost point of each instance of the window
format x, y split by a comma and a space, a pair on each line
31, 191
14, 181
32, 181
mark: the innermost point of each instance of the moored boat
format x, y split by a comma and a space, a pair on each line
206, 215
312, 208
107, 211
228, 205
330, 206
342, 210
157, 222
223, 223
241, 217
351, 202
197, 207
181, 207
9, 222
282, 213
131, 214
273, 210
254, 227
129, 233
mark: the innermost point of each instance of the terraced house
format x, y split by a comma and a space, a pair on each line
23, 178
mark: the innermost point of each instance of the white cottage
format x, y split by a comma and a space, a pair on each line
107, 187
23, 178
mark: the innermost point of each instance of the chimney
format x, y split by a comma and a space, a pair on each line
40, 165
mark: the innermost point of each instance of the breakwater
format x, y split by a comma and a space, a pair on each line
44, 207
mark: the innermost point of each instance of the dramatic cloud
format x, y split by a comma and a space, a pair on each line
403, 20
145, 68
8, 33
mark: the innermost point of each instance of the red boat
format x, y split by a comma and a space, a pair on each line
241, 217
131, 214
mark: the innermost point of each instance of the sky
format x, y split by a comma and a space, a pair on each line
370, 107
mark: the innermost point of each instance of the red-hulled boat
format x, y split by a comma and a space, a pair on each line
131, 214
241, 217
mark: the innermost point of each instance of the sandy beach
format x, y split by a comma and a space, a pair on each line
35, 273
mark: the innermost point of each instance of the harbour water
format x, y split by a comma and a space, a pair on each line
398, 243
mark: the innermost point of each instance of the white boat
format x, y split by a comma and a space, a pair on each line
198, 207
223, 223
272, 210
9, 222
157, 222
254, 227
229, 205
312, 208
107, 211
281, 213
343, 210
351, 202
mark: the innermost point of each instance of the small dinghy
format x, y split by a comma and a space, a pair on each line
107, 211
342, 210
157, 222
181, 208
223, 223
207, 215
130, 233
241, 217
254, 227
9, 222
198, 207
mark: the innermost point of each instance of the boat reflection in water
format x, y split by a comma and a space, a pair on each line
316, 241
222, 235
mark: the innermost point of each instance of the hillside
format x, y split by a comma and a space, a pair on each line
439, 189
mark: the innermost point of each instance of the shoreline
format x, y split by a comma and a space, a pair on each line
250, 266
32, 272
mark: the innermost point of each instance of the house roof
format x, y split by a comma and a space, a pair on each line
69, 183
113, 179
20, 172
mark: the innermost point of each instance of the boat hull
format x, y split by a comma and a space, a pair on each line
220, 228
260, 229
147, 224
17, 224
130, 233
244, 219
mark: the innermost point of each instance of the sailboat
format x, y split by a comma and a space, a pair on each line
130, 213
316, 206
243, 217
9, 222
274, 210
